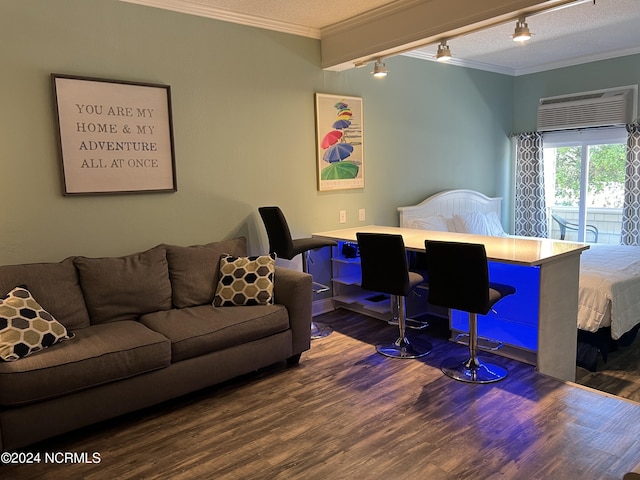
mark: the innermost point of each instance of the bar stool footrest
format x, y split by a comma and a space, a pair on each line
484, 343
319, 287
411, 323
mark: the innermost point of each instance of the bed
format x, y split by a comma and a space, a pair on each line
609, 288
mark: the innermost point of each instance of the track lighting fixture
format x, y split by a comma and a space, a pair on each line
444, 53
379, 69
522, 33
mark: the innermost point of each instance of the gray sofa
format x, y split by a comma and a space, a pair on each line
144, 331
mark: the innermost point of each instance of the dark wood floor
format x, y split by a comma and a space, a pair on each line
619, 375
348, 413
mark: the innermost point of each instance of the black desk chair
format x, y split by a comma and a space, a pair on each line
565, 225
459, 279
281, 243
385, 269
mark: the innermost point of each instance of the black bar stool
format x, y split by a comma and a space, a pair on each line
459, 279
383, 260
281, 243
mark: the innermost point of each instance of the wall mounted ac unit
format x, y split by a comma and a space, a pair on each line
614, 106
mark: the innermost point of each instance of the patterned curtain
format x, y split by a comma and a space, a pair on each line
530, 204
631, 207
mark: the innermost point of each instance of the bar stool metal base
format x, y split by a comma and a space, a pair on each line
402, 348
472, 370
319, 330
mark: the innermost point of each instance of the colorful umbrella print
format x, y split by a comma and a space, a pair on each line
331, 138
341, 124
340, 171
337, 152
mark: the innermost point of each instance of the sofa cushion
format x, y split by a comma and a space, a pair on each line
245, 281
26, 327
123, 288
56, 287
194, 270
98, 354
198, 330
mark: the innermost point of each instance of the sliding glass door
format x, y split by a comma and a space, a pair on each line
584, 179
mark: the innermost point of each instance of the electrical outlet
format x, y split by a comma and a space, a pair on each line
361, 216
343, 216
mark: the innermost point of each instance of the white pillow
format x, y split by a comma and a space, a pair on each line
494, 225
434, 222
458, 224
479, 223
472, 222
451, 224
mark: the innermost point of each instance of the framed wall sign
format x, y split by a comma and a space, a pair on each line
339, 132
115, 136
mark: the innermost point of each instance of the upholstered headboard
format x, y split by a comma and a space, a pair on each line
449, 203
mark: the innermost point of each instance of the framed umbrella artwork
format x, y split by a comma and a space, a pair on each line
339, 131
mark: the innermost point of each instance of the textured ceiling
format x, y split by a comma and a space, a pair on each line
577, 34
582, 32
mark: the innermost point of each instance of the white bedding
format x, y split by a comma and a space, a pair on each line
609, 292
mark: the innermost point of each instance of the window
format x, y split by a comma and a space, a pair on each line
584, 181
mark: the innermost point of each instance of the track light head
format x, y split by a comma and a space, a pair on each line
444, 53
379, 69
521, 33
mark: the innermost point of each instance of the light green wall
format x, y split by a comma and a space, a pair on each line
243, 117
528, 89
432, 127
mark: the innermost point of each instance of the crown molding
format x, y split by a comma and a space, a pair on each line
489, 67
421, 54
578, 61
191, 8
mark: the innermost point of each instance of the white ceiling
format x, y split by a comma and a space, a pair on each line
581, 32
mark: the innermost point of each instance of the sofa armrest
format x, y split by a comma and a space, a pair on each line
293, 289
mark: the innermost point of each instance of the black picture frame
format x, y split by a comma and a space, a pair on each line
114, 136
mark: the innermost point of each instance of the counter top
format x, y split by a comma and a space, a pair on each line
517, 250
